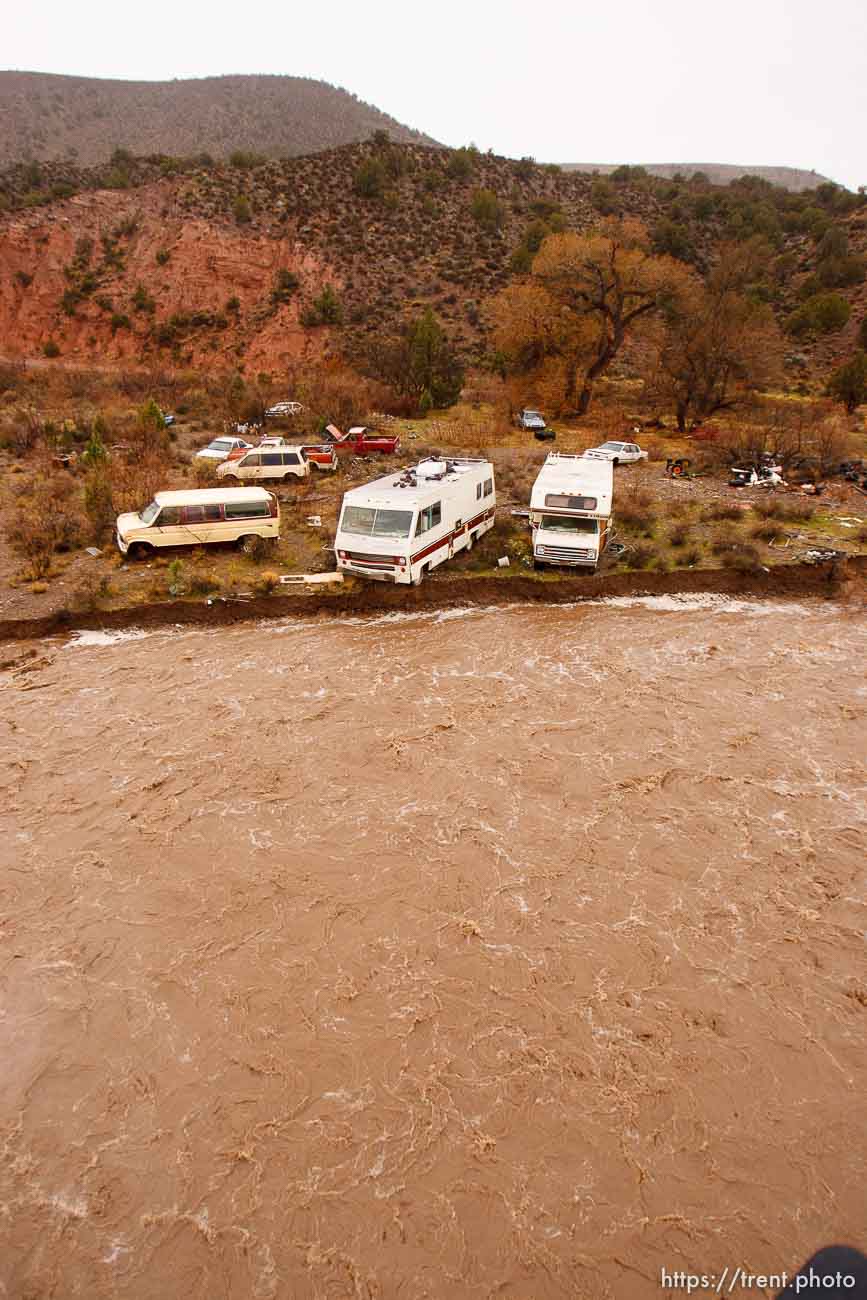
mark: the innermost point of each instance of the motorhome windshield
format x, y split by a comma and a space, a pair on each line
558, 502
367, 521
149, 514
568, 524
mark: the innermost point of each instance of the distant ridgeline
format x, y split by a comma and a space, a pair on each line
791, 178
84, 119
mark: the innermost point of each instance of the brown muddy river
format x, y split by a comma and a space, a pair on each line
512, 953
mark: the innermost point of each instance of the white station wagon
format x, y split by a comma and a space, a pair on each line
272, 462
619, 453
197, 516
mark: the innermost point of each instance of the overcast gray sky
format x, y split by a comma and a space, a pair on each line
746, 81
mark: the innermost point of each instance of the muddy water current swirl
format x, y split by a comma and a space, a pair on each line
507, 953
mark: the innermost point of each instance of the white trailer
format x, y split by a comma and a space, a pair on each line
399, 527
571, 511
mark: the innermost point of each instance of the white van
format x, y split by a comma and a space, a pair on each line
279, 463
399, 527
570, 510
241, 515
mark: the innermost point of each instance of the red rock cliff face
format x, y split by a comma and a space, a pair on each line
208, 263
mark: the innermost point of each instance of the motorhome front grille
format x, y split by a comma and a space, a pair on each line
569, 554
361, 558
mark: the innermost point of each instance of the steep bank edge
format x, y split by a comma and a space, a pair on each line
832, 580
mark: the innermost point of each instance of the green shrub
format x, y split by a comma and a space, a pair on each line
604, 197
324, 310
241, 209
486, 209
163, 256
370, 179
50, 348
142, 300
821, 314
461, 164
848, 383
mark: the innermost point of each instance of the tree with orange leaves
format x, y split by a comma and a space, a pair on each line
585, 296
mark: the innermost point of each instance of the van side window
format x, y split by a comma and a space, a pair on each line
193, 515
246, 509
254, 458
290, 458
213, 514
436, 514
272, 458
169, 515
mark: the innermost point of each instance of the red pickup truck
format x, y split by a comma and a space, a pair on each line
360, 441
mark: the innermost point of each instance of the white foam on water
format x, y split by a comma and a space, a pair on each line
715, 602
101, 638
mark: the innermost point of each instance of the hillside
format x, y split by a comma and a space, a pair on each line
790, 178
52, 117
168, 262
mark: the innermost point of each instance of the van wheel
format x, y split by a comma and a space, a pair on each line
141, 551
538, 564
615, 460
251, 544
231, 478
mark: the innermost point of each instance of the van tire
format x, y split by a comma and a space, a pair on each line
539, 564
251, 544
141, 551
615, 460
231, 478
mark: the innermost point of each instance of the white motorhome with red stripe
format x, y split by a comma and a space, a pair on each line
399, 527
570, 510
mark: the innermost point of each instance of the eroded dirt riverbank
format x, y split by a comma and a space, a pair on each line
484, 952
841, 580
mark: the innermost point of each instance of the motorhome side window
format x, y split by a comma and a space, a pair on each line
431, 517
557, 502
489, 486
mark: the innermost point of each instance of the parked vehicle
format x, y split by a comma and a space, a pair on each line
223, 448
276, 462
360, 441
201, 515
168, 420
544, 435
619, 453
571, 510
318, 457
530, 420
399, 527
283, 409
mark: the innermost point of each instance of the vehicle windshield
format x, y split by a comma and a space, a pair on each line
611, 446
532, 415
367, 521
568, 524
149, 514
221, 445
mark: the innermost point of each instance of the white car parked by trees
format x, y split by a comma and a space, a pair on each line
619, 453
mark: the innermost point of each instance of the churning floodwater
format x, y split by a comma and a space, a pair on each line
505, 953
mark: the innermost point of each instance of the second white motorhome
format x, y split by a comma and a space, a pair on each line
400, 526
571, 511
